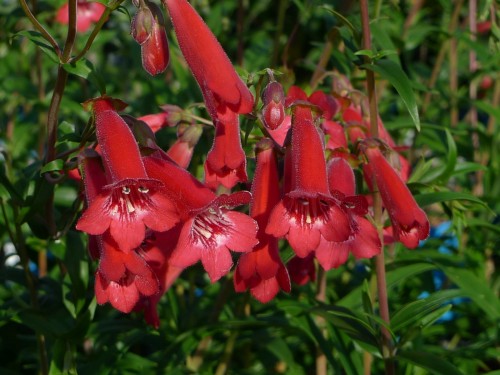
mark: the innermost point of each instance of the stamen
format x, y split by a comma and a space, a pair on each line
143, 189
126, 190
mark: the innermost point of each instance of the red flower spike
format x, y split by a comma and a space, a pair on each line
302, 270
210, 228
308, 211
206, 58
409, 222
226, 161
87, 13
132, 200
262, 270
182, 150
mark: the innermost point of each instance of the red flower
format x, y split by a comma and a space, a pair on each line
210, 227
262, 270
308, 211
409, 222
207, 60
87, 13
363, 241
226, 161
132, 200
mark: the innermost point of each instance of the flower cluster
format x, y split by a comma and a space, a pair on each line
149, 218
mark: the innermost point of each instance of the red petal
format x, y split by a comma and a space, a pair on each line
93, 220
154, 51
186, 252
127, 234
217, 262
242, 236
366, 243
332, 254
266, 290
303, 239
279, 221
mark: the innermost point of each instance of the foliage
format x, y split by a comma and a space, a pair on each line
442, 296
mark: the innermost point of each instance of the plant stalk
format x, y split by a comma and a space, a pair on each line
377, 201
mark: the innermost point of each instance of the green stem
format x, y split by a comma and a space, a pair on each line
71, 35
38, 26
377, 202
97, 28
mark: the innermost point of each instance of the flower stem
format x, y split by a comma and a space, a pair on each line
377, 202
38, 26
97, 28
321, 362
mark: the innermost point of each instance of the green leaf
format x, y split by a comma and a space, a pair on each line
85, 69
355, 327
451, 162
417, 312
476, 289
397, 77
427, 199
54, 165
41, 42
433, 363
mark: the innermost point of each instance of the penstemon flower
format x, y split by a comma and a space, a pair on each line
131, 201
409, 222
308, 211
210, 228
224, 92
262, 270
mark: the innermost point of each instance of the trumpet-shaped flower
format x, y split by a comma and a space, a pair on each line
409, 222
210, 227
262, 270
132, 200
308, 211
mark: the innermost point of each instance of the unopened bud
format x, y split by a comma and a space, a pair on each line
142, 25
273, 97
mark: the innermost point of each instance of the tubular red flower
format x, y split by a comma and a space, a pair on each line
308, 211
363, 240
206, 58
226, 161
262, 270
409, 222
132, 200
210, 227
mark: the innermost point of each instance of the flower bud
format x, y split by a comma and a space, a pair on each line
273, 97
142, 25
